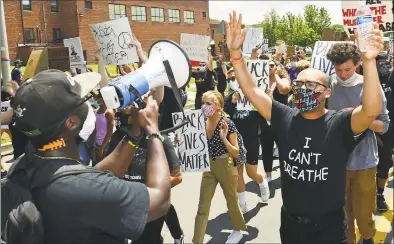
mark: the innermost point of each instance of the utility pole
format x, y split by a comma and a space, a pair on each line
4, 54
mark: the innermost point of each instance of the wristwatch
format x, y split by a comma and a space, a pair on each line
157, 135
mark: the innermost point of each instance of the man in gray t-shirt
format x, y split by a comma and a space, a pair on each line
346, 92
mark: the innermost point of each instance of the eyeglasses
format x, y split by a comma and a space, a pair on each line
311, 85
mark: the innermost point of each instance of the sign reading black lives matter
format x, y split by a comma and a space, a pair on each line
113, 38
319, 60
75, 52
193, 144
260, 71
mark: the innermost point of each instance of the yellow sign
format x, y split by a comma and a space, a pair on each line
38, 61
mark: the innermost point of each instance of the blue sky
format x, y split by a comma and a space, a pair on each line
253, 11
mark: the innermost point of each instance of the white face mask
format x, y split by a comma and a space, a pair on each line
234, 85
89, 125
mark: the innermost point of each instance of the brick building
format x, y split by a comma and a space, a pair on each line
31, 22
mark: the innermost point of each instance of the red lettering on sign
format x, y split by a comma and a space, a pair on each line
378, 19
379, 10
349, 12
349, 22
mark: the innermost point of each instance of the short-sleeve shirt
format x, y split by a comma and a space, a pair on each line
95, 207
313, 156
216, 146
16, 75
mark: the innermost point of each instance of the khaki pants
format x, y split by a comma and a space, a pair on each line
224, 173
361, 202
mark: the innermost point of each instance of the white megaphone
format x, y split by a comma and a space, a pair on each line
118, 93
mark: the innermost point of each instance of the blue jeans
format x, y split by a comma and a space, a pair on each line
84, 154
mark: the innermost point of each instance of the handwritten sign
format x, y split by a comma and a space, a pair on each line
260, 71
195, 46
381, 10
319, 60
4, 108
113, 38
253, 38
75, 52
280, 46
193, 145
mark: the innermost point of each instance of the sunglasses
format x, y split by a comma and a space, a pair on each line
310, 85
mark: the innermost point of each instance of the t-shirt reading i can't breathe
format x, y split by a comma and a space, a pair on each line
313, 156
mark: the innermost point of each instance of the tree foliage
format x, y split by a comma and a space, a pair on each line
302, 30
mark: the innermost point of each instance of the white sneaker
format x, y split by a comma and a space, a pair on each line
244, 208
269, 179
265, 190
235, 237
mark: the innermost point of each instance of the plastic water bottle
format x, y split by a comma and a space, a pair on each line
364, 21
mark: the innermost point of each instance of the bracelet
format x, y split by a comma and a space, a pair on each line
237, 61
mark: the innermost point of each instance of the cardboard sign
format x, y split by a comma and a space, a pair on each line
113, 38
254, 37
260, 71
280, 46
381, 10
75, 53
193, 143
319, 60
196, 46
221, 46
290, 51
38, 61
4, 108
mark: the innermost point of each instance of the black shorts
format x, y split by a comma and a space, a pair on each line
249, 128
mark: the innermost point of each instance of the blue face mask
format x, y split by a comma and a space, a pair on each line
348, 81
293, 64
202, 68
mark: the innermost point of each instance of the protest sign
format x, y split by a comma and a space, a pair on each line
280, 46
113, 39
75, 53
381, 10
196, 46
253, 37
260, 71
265, 45
193, 144
291, 51
4, 108
38, 61
319, 60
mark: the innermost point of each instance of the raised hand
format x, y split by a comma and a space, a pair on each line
224, 131
234, 34
375, 42
148, 117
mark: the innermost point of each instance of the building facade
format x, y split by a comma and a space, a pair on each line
33, 22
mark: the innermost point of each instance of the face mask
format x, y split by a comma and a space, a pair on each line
348, 81
293, 64
207, 110
234, 85
202, 68
89, 124
306, 100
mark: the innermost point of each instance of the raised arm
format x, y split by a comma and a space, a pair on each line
365, 114
235, 38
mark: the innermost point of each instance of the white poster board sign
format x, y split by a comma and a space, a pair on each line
76, 53
381, 10
280, 46
113, 38
260, 71
319, 60
265, 45
193, 143
4, 108
253, 37
196, 46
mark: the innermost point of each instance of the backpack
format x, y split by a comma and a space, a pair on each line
21, 220
242, 150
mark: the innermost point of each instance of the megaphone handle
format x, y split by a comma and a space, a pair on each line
139, 100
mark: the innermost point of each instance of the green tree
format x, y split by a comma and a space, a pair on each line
316, 18
337, 27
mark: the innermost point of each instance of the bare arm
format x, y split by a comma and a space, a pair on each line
110, 128
209, 64
6, 117
232, 145
176, 176
102, 70
364, 115
283, 84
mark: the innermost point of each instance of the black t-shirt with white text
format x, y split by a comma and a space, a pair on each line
313, 156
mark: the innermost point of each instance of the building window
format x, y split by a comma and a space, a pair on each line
188, 17
174, 16
30, 36
57, 35
88, 4
138, 13
157, 14
204, 15
26, 4
54, 6
117, 11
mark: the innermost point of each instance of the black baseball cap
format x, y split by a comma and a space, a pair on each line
46, 100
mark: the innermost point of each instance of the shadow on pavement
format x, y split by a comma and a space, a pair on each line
390, 184
223, 222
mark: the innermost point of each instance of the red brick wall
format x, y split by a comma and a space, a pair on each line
70, 20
